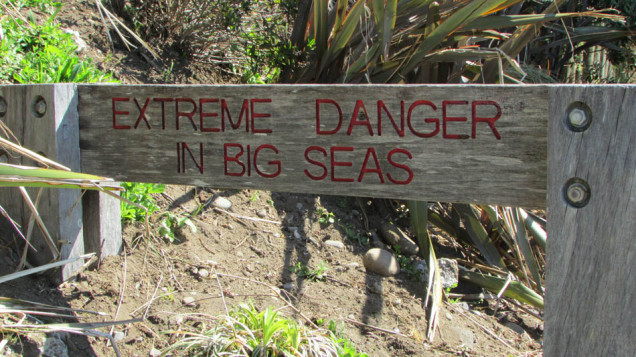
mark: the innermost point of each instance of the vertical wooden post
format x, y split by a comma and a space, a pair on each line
45, 119
591, 280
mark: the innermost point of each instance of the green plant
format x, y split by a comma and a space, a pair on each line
42, 53
247, 331
325, 217
141, 194
345, 346
407, 264
305, 272
255, 196
352, 234
171, 225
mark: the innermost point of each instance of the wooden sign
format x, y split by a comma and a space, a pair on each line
481, 144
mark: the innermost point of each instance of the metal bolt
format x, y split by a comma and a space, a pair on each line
3, 107
577, 192
579, 117
39, 107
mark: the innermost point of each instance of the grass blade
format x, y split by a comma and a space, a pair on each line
479, 236
515, 289
419, 219
341, 39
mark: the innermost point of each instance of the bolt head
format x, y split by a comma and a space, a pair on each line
39, 107
3, 107
579, 117
577, 192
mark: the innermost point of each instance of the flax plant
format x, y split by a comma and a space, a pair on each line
444, 41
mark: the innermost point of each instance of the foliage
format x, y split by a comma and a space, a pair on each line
42, 53
407, 264
325, 217
347, 349
304, 272
246, 38
247, 331
141, 194
352, 234
410, 41
172, 224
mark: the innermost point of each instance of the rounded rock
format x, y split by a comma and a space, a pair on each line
188, 301
335, 243
222, 202
381, 262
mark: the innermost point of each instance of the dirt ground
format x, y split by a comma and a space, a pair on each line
244, 253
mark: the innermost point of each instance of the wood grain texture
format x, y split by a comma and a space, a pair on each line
483, 169
591, 256
10, 198
56, 136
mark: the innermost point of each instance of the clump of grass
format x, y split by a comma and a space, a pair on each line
246, 331
304, 272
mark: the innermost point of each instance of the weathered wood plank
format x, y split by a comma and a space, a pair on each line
53, 132
591, 275
10, 198
447, 145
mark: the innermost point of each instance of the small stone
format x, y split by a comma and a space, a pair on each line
211, 263
276, 235
249, 268
422, 268
155, 352
262, 213
118, 336
222, 202
297, 235
299, 206
395, 237
376, 242
194, 270
204, 273
463, 334
449, 316
188, 301
514, 327
397, 301
79, 42
176, 320
376, 287
289, 286
449, 272
54, 347
335, 244
465, 306
239, 254
381, 262
353, 265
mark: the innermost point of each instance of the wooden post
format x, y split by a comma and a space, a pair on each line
591, 280
44, 119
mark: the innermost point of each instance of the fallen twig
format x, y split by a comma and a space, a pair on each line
245, 217
375, 327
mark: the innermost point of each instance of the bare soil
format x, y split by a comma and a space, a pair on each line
247, 252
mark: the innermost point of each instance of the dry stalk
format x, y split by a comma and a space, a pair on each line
121, 292
375, 327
